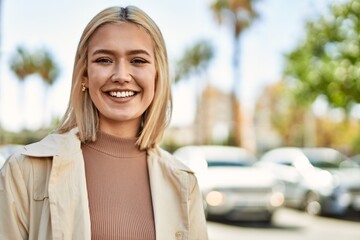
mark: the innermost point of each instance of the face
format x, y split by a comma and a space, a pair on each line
121, 76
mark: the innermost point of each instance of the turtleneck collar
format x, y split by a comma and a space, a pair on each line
115, 146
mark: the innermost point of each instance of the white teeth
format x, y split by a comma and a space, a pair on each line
122, 94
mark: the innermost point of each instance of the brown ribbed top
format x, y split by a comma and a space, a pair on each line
118, 189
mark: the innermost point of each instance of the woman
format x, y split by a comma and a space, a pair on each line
102, 175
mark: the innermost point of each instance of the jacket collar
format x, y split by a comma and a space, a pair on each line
68, 143
54, 145
167, 159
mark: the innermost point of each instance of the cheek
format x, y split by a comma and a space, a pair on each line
149, 93
147, 81
94, 84
151, 89
96, 79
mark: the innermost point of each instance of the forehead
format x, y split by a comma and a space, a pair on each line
121, 35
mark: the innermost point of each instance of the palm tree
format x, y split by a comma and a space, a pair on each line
24, 64
46, 68
195, 61
238, 14
48, 71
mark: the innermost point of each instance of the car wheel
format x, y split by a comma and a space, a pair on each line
312, 204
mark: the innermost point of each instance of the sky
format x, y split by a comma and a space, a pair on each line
57, 26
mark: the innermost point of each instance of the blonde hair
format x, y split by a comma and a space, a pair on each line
81, 111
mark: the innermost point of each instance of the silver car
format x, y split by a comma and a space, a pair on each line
318, 180
355, 160
233, 188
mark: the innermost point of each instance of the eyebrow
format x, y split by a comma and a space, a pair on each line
131, 52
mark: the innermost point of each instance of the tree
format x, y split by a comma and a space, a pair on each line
281, 121
238, 14
48, 71
327, 62
46, 67
24, 63
277, 110
194, 61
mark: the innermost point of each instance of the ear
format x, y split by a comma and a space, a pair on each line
85, 79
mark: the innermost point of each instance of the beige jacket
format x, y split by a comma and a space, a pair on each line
43, 194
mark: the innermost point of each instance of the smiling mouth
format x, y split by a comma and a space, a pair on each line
121, 94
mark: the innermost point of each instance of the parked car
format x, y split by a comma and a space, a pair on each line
6, 151
317, 180
355, 160
233, 188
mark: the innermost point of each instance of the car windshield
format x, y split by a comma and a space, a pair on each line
222, 163
216, 156
325, 158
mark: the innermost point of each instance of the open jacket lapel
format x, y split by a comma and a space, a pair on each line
67, 189
170, 185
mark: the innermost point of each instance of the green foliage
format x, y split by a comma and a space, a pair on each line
238, 13
46, 67
24, 137
327, 63
356, 145
286, 117
195, 60
24, 63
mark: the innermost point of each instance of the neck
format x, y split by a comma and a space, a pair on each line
127, 129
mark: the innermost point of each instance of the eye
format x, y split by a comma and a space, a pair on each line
103, 60
138, 61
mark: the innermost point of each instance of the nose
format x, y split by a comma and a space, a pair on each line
121, 73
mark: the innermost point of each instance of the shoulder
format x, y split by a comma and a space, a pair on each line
36, 158
24, 159
17, 171
17, 162
54, 144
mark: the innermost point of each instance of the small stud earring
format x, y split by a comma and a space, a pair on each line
83, 87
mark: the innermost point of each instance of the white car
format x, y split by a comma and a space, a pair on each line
318, 180
233, 188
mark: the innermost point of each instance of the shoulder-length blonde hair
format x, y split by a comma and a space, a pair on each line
81, 111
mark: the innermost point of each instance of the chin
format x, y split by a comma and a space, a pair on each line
121, 118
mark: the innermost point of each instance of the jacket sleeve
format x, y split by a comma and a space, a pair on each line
198, 227
14, 201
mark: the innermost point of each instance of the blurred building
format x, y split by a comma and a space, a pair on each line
213, 117
266, 137
213, 123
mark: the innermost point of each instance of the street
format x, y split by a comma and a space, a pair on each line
288, 224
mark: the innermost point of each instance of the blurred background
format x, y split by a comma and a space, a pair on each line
255, 74
274, 72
